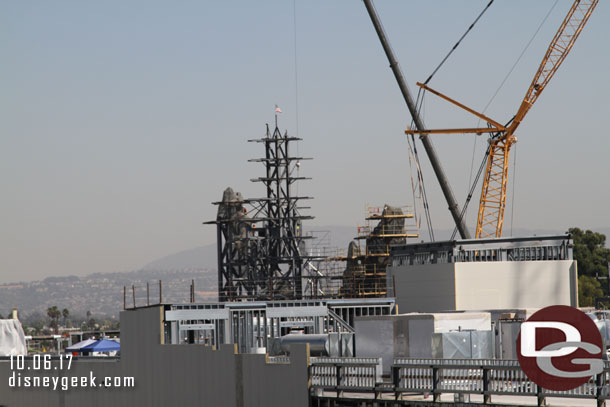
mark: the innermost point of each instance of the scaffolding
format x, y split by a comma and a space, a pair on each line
368, 255
261, 247
323, 269
262, 250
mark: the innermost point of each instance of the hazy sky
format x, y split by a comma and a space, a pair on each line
121, 121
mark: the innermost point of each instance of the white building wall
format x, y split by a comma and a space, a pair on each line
484, 285
523, 284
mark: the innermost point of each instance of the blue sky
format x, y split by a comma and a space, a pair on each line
122, 121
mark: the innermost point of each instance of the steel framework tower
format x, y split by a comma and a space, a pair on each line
261, 251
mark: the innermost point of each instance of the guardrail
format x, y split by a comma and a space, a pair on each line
340, 374
484, 377
278, 359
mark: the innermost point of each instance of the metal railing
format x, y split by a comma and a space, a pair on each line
434, 377
338, 323
278, 360
340, 374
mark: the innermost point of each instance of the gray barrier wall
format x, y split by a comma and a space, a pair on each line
168, 375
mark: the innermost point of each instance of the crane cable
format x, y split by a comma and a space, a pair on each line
415, 187
296, 72
418, 105
296, 89
512, 203
495, 135
519, 57
476, 181
458, 42
472, 188
420, 186
420, 176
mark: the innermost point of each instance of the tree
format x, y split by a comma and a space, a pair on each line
589, 289
92, 324
37, 327
593, 259
65, 313
54, 313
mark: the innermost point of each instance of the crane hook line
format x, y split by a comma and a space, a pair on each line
519, 58
458, 42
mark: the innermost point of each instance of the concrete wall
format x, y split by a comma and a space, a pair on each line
171, 375
531, 284
424, 288
484, 285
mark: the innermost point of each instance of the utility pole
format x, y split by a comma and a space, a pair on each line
428, 146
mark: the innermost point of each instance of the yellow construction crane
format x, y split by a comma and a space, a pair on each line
493, 195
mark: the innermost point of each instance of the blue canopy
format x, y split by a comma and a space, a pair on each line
103, 345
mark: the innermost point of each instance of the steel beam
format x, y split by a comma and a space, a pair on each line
428, 146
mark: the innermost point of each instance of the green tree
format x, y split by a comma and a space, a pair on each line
54, 314
37, 328
92, 324
593, 259
65, 313
589, 289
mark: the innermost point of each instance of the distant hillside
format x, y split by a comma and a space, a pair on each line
203, 257
102, 293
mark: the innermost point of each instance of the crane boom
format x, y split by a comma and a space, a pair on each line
490, 219
428, 146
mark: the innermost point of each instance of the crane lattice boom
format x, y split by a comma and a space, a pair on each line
493, 194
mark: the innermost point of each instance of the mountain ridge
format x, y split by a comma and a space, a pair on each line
102, 293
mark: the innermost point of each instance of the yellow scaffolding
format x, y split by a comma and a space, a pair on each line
365, 275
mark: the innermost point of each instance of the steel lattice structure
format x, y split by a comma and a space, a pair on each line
261, 247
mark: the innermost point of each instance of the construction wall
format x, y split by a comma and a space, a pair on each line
170, 375
484, 285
